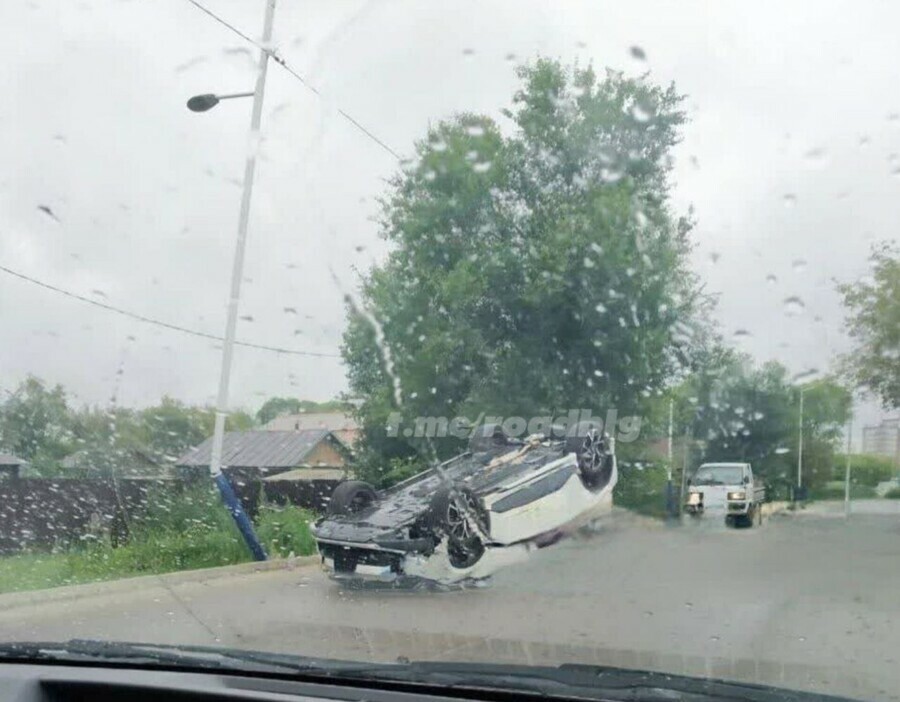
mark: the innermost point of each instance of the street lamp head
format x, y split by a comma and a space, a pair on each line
202, 103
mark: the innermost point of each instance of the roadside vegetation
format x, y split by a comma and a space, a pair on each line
191, 532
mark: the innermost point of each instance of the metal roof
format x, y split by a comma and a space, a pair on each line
308, 474
7, 459
333, 421
258, 449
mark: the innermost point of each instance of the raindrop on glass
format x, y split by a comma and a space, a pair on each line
815, 156
793, 306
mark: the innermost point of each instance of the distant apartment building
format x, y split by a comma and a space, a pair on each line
883, 439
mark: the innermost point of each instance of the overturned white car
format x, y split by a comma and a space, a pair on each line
470, 515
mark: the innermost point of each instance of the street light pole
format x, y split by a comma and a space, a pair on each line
800, 446
215, 463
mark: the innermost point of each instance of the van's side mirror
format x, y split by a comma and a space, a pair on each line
746, 480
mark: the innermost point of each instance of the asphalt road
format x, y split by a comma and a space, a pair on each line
806, 601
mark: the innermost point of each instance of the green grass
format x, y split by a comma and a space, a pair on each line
285, 532
190, 532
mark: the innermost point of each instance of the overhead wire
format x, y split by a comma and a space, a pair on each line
157, 322
186, 330
280, 60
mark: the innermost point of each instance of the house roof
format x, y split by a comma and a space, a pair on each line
258, 449
84, 458
307, 474
332, 421
7, 459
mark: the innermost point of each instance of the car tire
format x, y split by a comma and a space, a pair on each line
486, 437
593, 452
350, 497
465, 545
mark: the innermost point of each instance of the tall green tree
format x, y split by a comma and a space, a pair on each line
35, 424
532, 271
753, 415
873, 318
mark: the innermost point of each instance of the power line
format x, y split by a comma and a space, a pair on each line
283, 63
226, 24
159, 323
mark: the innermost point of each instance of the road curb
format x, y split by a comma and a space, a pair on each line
12, 600
772, 508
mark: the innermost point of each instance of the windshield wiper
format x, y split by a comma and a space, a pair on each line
589, 682
185, 656
586, 682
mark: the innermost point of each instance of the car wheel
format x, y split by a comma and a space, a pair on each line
464, 520
486, 437
350, 497
594, 455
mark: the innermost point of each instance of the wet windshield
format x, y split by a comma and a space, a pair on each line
718, 475
403, 331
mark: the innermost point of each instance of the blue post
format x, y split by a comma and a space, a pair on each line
240, 516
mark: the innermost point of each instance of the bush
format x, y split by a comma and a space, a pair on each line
893, 494
864, 469
831, 491
196, 506
642, 488
400, 470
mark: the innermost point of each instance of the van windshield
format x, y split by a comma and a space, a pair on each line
718, 475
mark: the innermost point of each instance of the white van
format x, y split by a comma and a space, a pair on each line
726, 490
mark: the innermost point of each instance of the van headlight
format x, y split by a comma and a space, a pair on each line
737, 495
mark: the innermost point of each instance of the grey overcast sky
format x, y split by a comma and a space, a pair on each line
787, 160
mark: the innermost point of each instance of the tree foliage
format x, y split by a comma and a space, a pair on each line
38, 423
752, 414
275, 406
873, 318
35, 423
532, 271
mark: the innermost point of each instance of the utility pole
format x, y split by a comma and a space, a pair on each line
215, 463
670, 509
800, 445
847, 469
688, 431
